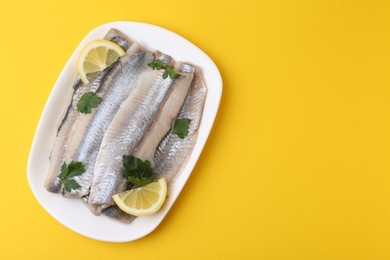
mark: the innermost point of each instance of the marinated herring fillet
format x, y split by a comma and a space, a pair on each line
57, 156
88, 130
163, 123
137, 128
173, 152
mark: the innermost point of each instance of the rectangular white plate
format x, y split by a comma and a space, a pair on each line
71, 212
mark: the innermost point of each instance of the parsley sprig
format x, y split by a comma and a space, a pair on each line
157, 65
169, 70
88, 101
136, 171
181, 127
68, 171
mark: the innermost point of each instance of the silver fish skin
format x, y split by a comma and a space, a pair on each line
156, 132
165, 58
112, 212
88, 130
119, 38
125, 133
57, 155
173, 152
164, 121
116, 213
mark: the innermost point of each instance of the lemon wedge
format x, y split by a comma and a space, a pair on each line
143, 201
95, 57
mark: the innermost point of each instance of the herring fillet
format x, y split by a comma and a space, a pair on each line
164, 121
173, 153
57, 154
89, 129
52, 182
124, 134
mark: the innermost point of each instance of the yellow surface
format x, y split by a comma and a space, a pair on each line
297, 165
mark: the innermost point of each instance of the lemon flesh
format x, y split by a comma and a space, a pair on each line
143, 201
95, 57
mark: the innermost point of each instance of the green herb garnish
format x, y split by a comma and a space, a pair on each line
88, 101
136, 171
69, 171
181, 126
169, 70
157, 65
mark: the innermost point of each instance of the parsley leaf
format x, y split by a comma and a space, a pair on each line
139, 182
71, 185
181, 126
165, 74
88, 101
169, 70
136, 171
156, 65
64, 172
68, 171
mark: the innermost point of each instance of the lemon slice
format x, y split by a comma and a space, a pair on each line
95, 57
143, 201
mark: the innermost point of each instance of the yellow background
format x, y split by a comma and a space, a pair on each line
297, 164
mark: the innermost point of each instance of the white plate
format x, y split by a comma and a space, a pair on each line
72, 213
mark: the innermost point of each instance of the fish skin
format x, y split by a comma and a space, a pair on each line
156, 132
165, 119
173, 153
125, 133
119, 38
112, 212
165, 58
116, 213
52, 183
57, 155
88, 130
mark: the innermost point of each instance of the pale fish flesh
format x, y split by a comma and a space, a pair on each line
89, 129
173, 153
